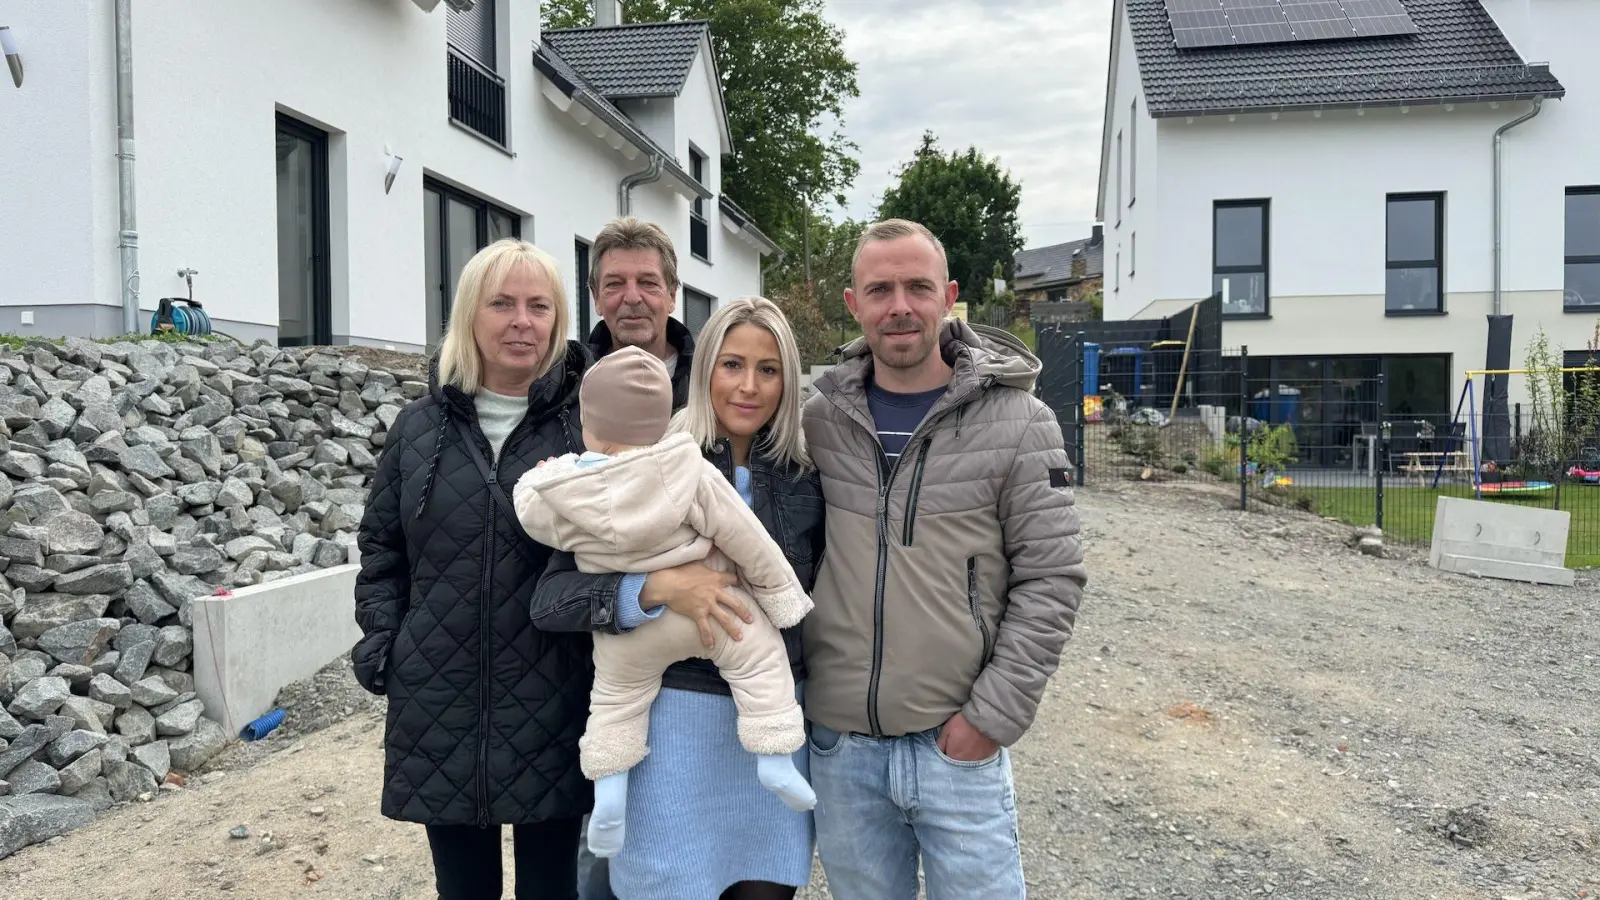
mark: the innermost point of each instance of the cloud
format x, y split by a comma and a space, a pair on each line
1023, 80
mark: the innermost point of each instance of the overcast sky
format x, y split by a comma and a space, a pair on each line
1023, 80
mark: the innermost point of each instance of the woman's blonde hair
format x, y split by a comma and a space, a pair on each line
784, 440
460, 360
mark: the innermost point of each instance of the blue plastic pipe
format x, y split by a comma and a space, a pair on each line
263, 726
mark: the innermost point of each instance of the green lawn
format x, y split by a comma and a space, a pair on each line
1408, 512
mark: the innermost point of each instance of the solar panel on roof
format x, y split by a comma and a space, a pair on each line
1223, 23
1378, 18
1317, 20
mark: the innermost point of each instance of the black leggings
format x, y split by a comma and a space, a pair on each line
467, 864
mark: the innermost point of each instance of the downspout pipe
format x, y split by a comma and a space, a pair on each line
1499, 153
776, 262
629, 182
128, 229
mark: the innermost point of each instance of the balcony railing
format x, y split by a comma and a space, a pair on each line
477, 97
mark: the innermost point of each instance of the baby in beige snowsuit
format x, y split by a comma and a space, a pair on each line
640, 500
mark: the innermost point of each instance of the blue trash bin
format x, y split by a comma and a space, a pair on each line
1286, 409
1091, 369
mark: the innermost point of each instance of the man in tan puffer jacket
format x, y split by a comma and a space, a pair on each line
639, 500
949, 587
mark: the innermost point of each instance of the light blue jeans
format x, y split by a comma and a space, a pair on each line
883, 802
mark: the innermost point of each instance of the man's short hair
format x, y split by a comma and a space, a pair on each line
894, 229
629, 233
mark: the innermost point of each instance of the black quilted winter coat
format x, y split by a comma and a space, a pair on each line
485, 711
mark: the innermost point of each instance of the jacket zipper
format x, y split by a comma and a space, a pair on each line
976, 606
877, 592
886, 476
485, 625
916, 489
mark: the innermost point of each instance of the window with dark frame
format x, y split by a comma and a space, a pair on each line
1133, 159
582, 302
1117, 198
476, 90
1240, 259
1414, 255
696, 309
456, 226
1581, 288
699, 233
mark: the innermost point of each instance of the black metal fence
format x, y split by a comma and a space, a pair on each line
1138, 404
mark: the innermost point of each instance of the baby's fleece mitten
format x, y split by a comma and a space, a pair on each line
778, 775
610, 815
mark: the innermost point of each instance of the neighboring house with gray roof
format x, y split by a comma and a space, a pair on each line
335, 199
1060, 272
1328, 167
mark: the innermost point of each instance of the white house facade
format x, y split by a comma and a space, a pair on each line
265, 135
1333, 176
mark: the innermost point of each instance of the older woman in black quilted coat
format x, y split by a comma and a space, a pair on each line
485, 711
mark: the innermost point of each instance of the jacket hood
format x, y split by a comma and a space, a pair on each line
631, 502
978, 353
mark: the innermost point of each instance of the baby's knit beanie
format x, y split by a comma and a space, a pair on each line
626, 398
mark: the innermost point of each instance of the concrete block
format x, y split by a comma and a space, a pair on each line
1501, 540
249, 645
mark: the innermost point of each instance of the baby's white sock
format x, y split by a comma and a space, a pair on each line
609, 816
779, 775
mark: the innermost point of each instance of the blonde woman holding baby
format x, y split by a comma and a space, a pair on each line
703, 815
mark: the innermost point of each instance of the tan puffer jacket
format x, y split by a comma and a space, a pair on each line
951, 582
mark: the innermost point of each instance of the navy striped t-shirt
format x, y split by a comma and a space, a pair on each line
896, 416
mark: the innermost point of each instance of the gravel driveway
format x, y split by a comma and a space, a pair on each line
1249, 708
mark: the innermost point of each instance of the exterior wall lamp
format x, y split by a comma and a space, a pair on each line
393, 170
8, 43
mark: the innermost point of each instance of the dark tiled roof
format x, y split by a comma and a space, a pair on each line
1053, 264
1459, 55
650, 59
552, 65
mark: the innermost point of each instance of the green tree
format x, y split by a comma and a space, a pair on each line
783, 69
833, 245
970, 203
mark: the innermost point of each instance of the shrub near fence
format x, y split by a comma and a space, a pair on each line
1333, 447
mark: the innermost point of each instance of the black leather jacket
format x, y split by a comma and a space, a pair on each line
787, 500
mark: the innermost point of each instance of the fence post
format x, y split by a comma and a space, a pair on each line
1244, 431
1383, 451
1078, 414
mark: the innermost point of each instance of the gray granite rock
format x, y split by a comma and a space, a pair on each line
80, 642
109, 690
180, 720
35, 818
77, 775
40, 697
174, 643
74, 744
193, 750
34, 777
136, 725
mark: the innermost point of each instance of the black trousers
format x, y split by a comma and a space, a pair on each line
467, 864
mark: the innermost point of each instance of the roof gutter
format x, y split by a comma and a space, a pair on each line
1538, 103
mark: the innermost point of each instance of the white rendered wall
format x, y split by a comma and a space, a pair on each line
208, 79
